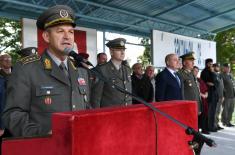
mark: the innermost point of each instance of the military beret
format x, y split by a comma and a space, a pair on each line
28, 51
226, 65
188, 56
118, 43
56, 15
84, 55
208, 60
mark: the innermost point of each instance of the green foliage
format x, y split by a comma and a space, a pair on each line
145, 59
10, 31
225, 45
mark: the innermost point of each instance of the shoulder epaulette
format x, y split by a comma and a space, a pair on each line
29, 59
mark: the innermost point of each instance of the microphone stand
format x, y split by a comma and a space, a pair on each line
197, 136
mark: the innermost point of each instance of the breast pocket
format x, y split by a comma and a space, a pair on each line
47, 99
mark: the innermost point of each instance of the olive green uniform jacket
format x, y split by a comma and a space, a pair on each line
103, 94
191, 87
36, 89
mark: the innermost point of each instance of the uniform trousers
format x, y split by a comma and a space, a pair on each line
228, 108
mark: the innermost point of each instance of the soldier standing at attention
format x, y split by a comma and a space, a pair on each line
42, 85
103, 94
191, 86
191, 89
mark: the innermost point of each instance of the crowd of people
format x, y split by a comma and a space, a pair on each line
40, 85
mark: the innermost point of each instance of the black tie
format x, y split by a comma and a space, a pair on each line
64, 69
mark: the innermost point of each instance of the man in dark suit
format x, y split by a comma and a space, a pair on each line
104, 94
168, 83
141, 84
42, 85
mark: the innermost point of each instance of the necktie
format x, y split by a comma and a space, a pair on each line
177, 78
64, 69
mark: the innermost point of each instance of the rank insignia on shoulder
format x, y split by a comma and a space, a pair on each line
47, 63
81, 81
29, 59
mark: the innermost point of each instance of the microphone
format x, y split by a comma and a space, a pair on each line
79, 59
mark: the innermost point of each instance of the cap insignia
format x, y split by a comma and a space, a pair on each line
122, 43
33, 51
64, 13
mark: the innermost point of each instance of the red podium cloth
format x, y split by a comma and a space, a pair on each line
129, 130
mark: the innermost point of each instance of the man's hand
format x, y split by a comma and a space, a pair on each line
50, 132
1, 132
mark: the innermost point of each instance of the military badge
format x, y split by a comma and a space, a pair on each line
122, 43
47, 64
63, 13
81, 81
47, 100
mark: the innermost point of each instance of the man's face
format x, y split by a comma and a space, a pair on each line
227, 69
59, 37
6, 62
217, 68
102, 59
173, 62
150, 72
117, 54
138, 69
188, 64
209, 64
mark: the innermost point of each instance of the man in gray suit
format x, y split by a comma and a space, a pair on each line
104, 94
42, 85
228, 105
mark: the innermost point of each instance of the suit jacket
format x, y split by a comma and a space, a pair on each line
143, 88
167, 87
228, 85
36, 89
103, 94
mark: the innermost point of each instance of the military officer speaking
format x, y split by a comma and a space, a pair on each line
42, 85
103, 94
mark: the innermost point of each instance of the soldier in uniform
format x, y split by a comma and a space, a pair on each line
229, 95
103, 94
191, 87
42, 85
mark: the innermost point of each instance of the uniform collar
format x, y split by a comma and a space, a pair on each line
57, 60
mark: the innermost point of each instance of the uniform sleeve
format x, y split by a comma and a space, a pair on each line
17, 109
96, 90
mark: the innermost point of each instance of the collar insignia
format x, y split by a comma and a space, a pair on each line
47, 64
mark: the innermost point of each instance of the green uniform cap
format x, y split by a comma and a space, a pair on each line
28, 51
118, 43
188, 56
56, 15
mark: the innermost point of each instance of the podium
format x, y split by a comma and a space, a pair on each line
132, 130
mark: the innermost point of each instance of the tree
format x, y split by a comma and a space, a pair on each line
225, 45
10, 31
145, 59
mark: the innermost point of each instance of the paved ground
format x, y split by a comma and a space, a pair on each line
225, 140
